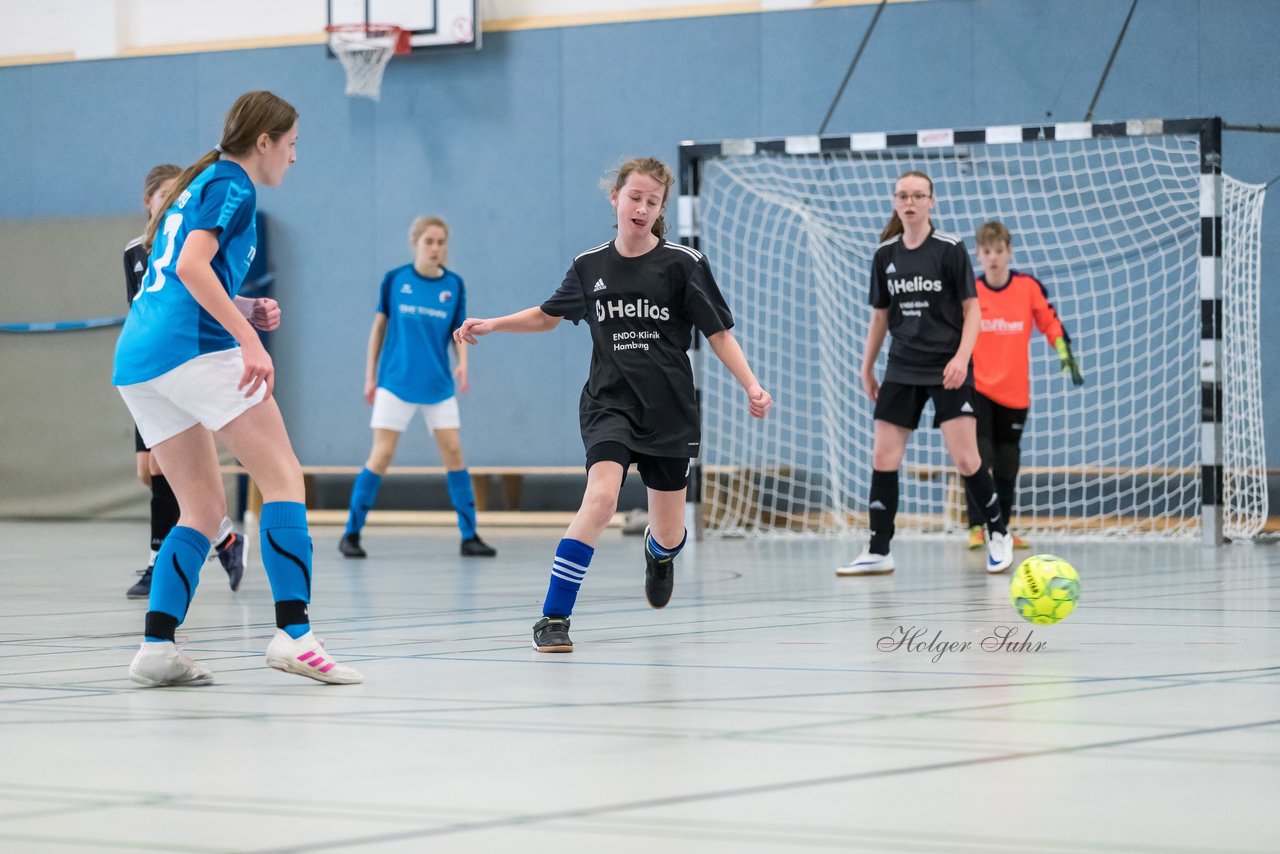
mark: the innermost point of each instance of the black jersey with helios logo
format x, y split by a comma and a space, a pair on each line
923, 289
642, 312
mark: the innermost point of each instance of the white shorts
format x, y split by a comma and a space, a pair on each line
201, 391
392, 413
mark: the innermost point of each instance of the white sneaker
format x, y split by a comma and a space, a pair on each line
868, 564
307, 656
999, 552
161, 663
635, 522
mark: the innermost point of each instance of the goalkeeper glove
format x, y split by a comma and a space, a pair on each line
1068, 361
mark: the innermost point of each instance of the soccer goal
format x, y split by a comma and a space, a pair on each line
1148, 252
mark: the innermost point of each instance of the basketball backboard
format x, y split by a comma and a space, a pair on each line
432, 24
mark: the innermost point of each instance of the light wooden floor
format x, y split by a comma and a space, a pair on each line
759, 712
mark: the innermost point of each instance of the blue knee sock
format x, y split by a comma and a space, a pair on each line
567, 571
286, 555
363, 494
174, 579
661, 552
464, 501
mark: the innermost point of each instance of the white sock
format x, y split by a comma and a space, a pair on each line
224, 530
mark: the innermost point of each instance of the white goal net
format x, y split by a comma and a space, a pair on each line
1243, 449
1110, 225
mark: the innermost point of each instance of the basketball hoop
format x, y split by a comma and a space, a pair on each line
365, 50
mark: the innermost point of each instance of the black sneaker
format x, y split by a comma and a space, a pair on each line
231, 556
476, 547
659, 577
350, 546
141, 589
551, 634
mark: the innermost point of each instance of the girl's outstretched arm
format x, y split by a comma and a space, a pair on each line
530, 320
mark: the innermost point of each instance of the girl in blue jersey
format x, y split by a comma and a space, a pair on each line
419, 307
642, 297
164, 504
189, 364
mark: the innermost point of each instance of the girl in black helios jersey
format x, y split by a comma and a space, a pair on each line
642, 298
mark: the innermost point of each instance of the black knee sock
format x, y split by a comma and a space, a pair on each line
1004, 469
164, 510
976, 516
987, 452
1004, 493
882, 509
982, 490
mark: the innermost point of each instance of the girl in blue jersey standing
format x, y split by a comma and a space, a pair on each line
419, 307
189, 365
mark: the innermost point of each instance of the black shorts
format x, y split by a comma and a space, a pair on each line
901, 404
139, 446
665, 474
1002, 424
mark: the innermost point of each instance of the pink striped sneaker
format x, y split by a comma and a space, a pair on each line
307, 656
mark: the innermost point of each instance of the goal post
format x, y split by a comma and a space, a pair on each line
1123, 222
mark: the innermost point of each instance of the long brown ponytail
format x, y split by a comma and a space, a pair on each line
653, 168
253, 114
894, 227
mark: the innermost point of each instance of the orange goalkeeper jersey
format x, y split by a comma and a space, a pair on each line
1001, 366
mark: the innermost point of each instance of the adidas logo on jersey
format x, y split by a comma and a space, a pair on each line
891, 268
967, 408
137, 267
406, 288
599, 286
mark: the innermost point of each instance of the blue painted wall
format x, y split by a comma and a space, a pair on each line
509, 144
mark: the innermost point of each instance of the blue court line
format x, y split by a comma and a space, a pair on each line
62, 325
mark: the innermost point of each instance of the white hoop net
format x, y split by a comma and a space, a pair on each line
364, 50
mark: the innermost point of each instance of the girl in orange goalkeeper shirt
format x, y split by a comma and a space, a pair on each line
1011, 301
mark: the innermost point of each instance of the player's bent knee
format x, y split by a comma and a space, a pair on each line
206, 519
599, 507
886, 461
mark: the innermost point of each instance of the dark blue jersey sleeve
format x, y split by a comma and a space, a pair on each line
879, 295
960, 269
703, 302
568, 301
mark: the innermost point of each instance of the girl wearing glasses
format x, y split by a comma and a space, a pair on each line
922, 291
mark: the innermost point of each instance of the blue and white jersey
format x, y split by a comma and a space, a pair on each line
166, 327
421, 316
